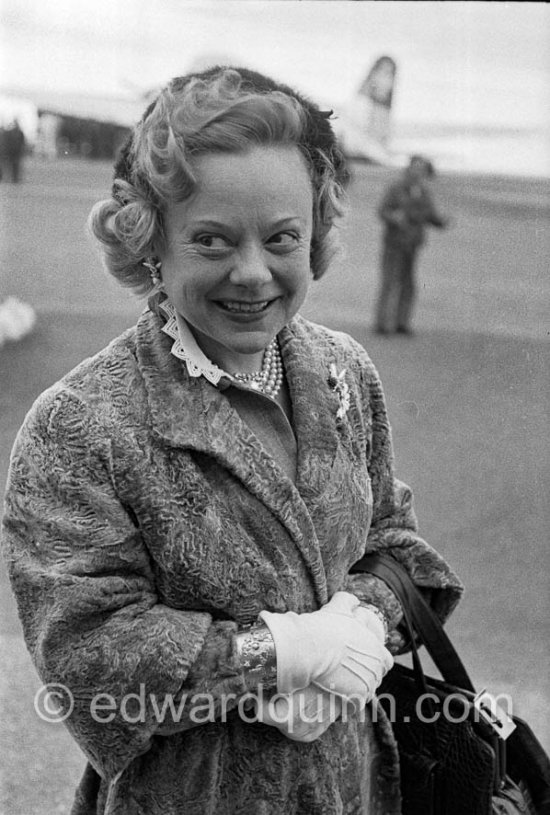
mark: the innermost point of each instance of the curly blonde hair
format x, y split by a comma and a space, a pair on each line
220, 110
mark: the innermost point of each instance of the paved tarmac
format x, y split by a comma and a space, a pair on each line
468, 399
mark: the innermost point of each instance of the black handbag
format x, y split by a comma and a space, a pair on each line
459, 753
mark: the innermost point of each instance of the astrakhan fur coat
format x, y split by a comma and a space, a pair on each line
144, 522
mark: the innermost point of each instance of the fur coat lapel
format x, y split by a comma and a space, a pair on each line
210, 425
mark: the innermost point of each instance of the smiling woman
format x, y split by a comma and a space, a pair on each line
184, 508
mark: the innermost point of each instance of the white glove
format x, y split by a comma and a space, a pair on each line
338, 648
301, 716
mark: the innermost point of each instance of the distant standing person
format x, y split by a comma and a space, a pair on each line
13, 149
406, 208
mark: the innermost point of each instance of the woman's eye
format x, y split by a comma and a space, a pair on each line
212, 241
284, 240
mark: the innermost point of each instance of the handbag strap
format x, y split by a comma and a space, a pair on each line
418, 613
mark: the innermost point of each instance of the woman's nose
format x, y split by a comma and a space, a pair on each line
250, 268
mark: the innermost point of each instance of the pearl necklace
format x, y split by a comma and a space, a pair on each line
269, 380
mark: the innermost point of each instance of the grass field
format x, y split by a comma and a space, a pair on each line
468, 398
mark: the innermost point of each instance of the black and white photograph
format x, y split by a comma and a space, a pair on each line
274, 407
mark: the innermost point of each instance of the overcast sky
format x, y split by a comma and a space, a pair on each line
487, 63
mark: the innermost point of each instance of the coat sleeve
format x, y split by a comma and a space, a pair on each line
85, 589
394, 528
433, 216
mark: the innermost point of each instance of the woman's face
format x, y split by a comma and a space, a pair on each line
237, 264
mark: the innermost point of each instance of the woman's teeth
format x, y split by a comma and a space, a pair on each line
248, 308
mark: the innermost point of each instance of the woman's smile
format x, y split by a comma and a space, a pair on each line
244, 307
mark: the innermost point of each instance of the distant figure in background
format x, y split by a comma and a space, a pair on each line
17, 318
12, 147
406, 208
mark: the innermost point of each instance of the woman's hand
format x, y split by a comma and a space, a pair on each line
339, 648
301, 716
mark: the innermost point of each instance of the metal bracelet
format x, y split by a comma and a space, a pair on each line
381, 616
256, 651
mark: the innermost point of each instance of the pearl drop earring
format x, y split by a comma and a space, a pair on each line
153, 267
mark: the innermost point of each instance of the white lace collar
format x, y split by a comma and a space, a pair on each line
185, 347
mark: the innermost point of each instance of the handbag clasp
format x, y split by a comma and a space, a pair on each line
493, 714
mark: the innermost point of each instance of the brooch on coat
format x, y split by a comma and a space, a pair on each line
337, 383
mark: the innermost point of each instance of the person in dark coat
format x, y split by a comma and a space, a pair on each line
13, 150
406, 209
184, 508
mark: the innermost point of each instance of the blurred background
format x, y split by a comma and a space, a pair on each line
468, 394
472, 78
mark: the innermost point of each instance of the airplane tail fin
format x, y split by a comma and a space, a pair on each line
376, 97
